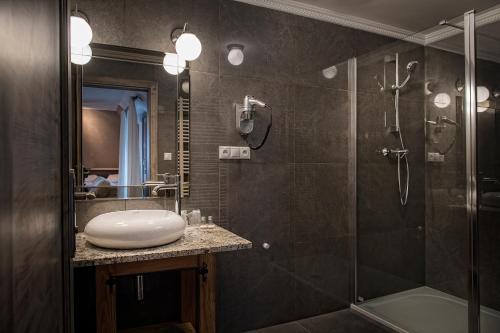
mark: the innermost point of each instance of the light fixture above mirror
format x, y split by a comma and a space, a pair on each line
187, 44
80, 38
173, 63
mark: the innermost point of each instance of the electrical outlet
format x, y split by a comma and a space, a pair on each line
244, 153
435, 157
167, 156
234, 153
224, 152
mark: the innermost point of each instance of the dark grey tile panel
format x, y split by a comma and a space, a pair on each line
319, 202
321, 273
321, 124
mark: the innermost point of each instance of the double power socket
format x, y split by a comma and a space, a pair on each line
234, 153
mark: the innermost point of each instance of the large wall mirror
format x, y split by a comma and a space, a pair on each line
131, 122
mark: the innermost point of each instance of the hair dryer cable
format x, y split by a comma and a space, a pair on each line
267, 131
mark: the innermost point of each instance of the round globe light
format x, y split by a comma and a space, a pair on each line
442, 100
330, 72
81, 55
482, 94
173, 63
81, 33
188, 46
235, 56
185, 87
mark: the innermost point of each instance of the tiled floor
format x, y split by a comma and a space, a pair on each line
345, 321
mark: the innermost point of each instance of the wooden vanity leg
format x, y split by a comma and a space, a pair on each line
105, 301
207, 294
188, 297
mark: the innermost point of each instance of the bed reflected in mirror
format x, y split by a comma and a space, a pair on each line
116, 139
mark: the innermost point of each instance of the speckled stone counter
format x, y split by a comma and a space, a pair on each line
196, 240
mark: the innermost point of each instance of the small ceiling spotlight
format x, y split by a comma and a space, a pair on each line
173, 63
235, 55
187, 45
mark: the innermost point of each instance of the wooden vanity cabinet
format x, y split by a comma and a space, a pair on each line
197, 292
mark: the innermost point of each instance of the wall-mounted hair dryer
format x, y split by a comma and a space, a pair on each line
245, 115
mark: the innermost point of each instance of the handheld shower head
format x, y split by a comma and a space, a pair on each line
411, 67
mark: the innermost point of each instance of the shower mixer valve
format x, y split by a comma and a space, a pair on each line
392, 153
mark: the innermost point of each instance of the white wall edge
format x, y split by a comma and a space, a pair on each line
485, 17
321, 14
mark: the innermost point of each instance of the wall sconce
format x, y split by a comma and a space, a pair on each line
187, 45
330, 72
81, 55
173, 63
235, 55
442, 100
483, 94
81, 36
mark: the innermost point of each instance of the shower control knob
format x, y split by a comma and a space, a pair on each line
266, 246
384, 151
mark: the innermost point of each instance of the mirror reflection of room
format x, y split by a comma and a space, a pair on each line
115, 138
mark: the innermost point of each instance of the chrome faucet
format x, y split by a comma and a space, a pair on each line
167, 185
84, 195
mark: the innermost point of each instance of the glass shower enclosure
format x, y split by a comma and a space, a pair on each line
424, 235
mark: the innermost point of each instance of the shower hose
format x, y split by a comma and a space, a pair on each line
402, 159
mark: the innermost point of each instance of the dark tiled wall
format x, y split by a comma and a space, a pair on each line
292, 194
390, 237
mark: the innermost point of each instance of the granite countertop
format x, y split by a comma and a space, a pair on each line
196, 240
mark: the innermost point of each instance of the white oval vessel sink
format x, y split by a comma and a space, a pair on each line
133, 229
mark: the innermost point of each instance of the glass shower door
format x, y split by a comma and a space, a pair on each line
412, 255
488, 173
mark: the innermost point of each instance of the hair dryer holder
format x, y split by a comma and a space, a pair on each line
244, 119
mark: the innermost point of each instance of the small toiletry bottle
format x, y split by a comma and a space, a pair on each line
210, 220
184, 215
203, 220
195, 217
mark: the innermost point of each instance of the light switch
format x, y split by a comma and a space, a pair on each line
435, 157
167, 156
